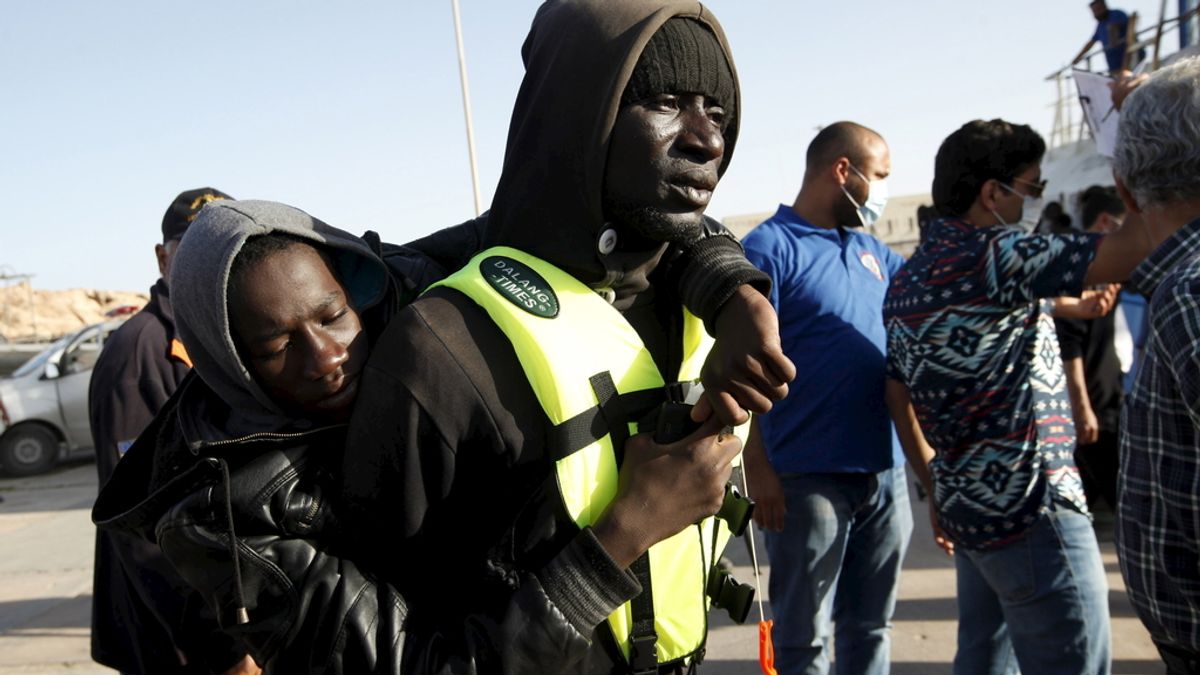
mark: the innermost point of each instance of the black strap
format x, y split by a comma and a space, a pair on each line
594, 423
643, 657
610, 410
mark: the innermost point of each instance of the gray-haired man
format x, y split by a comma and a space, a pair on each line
1157, 167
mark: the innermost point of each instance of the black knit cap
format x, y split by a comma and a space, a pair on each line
683, 56
183, 210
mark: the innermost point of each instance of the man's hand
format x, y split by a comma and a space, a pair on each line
746, 369
246, 666
939, 536
767, 493
1123, 85
1092, 304
1087, 427
665, 488
766, 490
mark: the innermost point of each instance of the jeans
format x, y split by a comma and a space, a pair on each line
838, 560
1040, 602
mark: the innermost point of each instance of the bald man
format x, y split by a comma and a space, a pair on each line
824, 465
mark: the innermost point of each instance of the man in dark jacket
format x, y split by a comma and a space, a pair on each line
624, 122
237, 477
141, 622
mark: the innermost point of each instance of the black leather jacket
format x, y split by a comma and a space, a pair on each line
250, 523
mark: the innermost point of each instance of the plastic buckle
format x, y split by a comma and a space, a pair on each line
643, 658
736, 510
729, 595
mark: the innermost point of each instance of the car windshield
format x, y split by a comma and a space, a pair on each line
38, 362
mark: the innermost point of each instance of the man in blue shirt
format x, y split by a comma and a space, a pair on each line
1112, 31
823, 465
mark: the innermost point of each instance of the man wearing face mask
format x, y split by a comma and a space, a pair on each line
823, 465
977, 389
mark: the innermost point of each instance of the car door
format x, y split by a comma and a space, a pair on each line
75, 373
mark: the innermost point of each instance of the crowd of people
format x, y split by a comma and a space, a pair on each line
508, 446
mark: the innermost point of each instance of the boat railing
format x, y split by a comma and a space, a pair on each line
1069, 124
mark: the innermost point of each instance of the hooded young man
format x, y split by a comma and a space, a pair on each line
236, 479
496, 409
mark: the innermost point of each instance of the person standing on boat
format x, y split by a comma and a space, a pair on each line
1112, 31
824, 467
1157, 170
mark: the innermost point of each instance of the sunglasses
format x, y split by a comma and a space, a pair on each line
1035, 188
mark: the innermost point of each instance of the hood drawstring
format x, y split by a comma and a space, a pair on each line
243, 616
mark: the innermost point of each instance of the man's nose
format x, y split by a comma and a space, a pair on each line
326, 355
702, 135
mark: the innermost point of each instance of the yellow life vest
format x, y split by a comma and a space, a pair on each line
564, 334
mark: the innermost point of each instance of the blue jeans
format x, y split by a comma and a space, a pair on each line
838, 560
1040, 602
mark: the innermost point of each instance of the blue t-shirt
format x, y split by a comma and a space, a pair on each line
828, 289
1110, 32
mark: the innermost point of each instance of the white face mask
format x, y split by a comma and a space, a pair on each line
877, 196
1031, 211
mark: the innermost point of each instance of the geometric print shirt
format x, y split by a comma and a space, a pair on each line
971, 336
1158, 504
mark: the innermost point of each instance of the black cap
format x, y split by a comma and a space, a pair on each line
183, 210
683, 56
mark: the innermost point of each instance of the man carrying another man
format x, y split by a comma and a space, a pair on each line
496, 410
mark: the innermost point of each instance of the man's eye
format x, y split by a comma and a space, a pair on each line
717, 115
341, 314
274, 355
663, 102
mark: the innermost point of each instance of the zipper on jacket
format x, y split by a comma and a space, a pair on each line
263, 436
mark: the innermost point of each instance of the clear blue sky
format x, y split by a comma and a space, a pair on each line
352, 111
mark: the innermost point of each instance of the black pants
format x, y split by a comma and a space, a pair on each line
1179, 661
1097, 464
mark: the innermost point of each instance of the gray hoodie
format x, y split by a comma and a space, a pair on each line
199, 290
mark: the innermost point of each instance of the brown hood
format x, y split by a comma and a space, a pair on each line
578, 57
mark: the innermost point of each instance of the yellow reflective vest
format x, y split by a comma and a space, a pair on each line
564, 335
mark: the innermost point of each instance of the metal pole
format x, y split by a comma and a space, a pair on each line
32, 307
462, 76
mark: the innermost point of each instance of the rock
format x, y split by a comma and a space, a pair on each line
57, 313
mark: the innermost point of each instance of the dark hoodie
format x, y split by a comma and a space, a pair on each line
549, 198
447, 448
242, 499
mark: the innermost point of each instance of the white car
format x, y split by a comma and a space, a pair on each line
44, 403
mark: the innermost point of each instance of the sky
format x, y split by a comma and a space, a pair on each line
353, 111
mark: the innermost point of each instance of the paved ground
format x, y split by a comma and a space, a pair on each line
46, 566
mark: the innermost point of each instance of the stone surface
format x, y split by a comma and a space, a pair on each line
45, 598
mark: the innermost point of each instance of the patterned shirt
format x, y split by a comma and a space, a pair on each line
1158, 491
969, 336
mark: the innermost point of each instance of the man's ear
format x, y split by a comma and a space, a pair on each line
1126, 196
841, 170
160, 252
987, 194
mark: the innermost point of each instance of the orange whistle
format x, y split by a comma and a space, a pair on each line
766, 648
